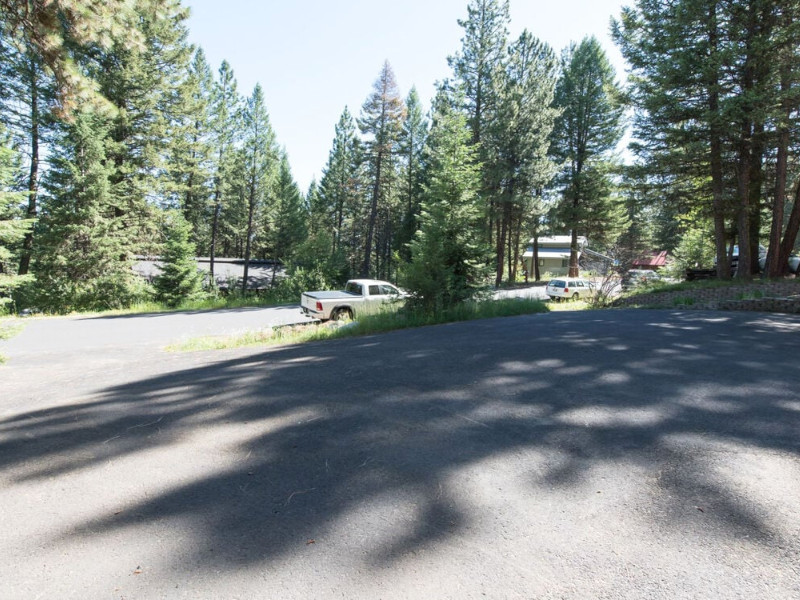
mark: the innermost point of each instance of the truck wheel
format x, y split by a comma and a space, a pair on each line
342, 314
575, 296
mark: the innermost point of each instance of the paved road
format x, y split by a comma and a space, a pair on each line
65, 335
615, 454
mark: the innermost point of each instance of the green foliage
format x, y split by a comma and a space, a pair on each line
412, 144
518, 140
714, 87
179, 280
367, 325
225, 113
259, 157
287, 217
82, 256
13, 227
337, 211
9, 327
447, 256
587, 130
477, 65
381, 123
695, 250
56, 29
189, 161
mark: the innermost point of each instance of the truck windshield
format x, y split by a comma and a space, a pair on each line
353, 288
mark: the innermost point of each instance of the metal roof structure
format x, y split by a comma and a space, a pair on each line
228, 272
653, 261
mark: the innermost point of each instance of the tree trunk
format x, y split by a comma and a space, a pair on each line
574, 269
514, 250
214, 227
755, 201
501, 243
717, 176
251, 206
373, 215
777, 258
792, 227
33, 175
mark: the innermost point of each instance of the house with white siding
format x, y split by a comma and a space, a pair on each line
552, 253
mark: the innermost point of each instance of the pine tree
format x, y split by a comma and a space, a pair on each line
24, 109
476, 69
518, 140
81, 258
313, 265
260, 160
56, 29
179, 280
587, 130
288, 228
481, 58
412, 144
714, 85
13, 227
225, 124
189, 180
447, 254
340, 190
381, 121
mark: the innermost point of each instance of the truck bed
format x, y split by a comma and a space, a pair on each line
331, 295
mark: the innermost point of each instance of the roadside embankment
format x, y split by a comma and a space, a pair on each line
768, 296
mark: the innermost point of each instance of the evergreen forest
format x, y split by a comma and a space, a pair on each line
118, 140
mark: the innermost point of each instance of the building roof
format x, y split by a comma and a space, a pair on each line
558, 240
228, 272
549, 253
657, 258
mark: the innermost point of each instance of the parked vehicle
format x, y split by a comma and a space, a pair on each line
569, 288
359, 296
794, 263
635, 277
693, 274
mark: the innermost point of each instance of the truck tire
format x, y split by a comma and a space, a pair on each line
342, 314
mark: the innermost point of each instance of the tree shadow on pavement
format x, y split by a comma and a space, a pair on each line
380, 431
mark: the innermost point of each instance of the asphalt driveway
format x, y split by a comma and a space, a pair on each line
614, 454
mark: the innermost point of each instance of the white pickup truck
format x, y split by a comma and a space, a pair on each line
359, 296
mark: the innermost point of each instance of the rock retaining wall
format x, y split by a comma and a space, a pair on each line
773, 296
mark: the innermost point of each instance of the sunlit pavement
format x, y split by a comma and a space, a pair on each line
599, 454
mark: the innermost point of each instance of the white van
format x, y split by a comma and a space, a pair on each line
569, 288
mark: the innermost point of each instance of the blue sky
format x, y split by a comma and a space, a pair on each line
314, 57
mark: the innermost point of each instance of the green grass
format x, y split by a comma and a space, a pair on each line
370, 324
9, 328
683, 301
569, 306
218, 303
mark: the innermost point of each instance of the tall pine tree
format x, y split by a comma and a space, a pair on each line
225, 123
260, 158
412, 144
587, 131
13, 227
81, 259
381, 122
518, 140
447, 253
